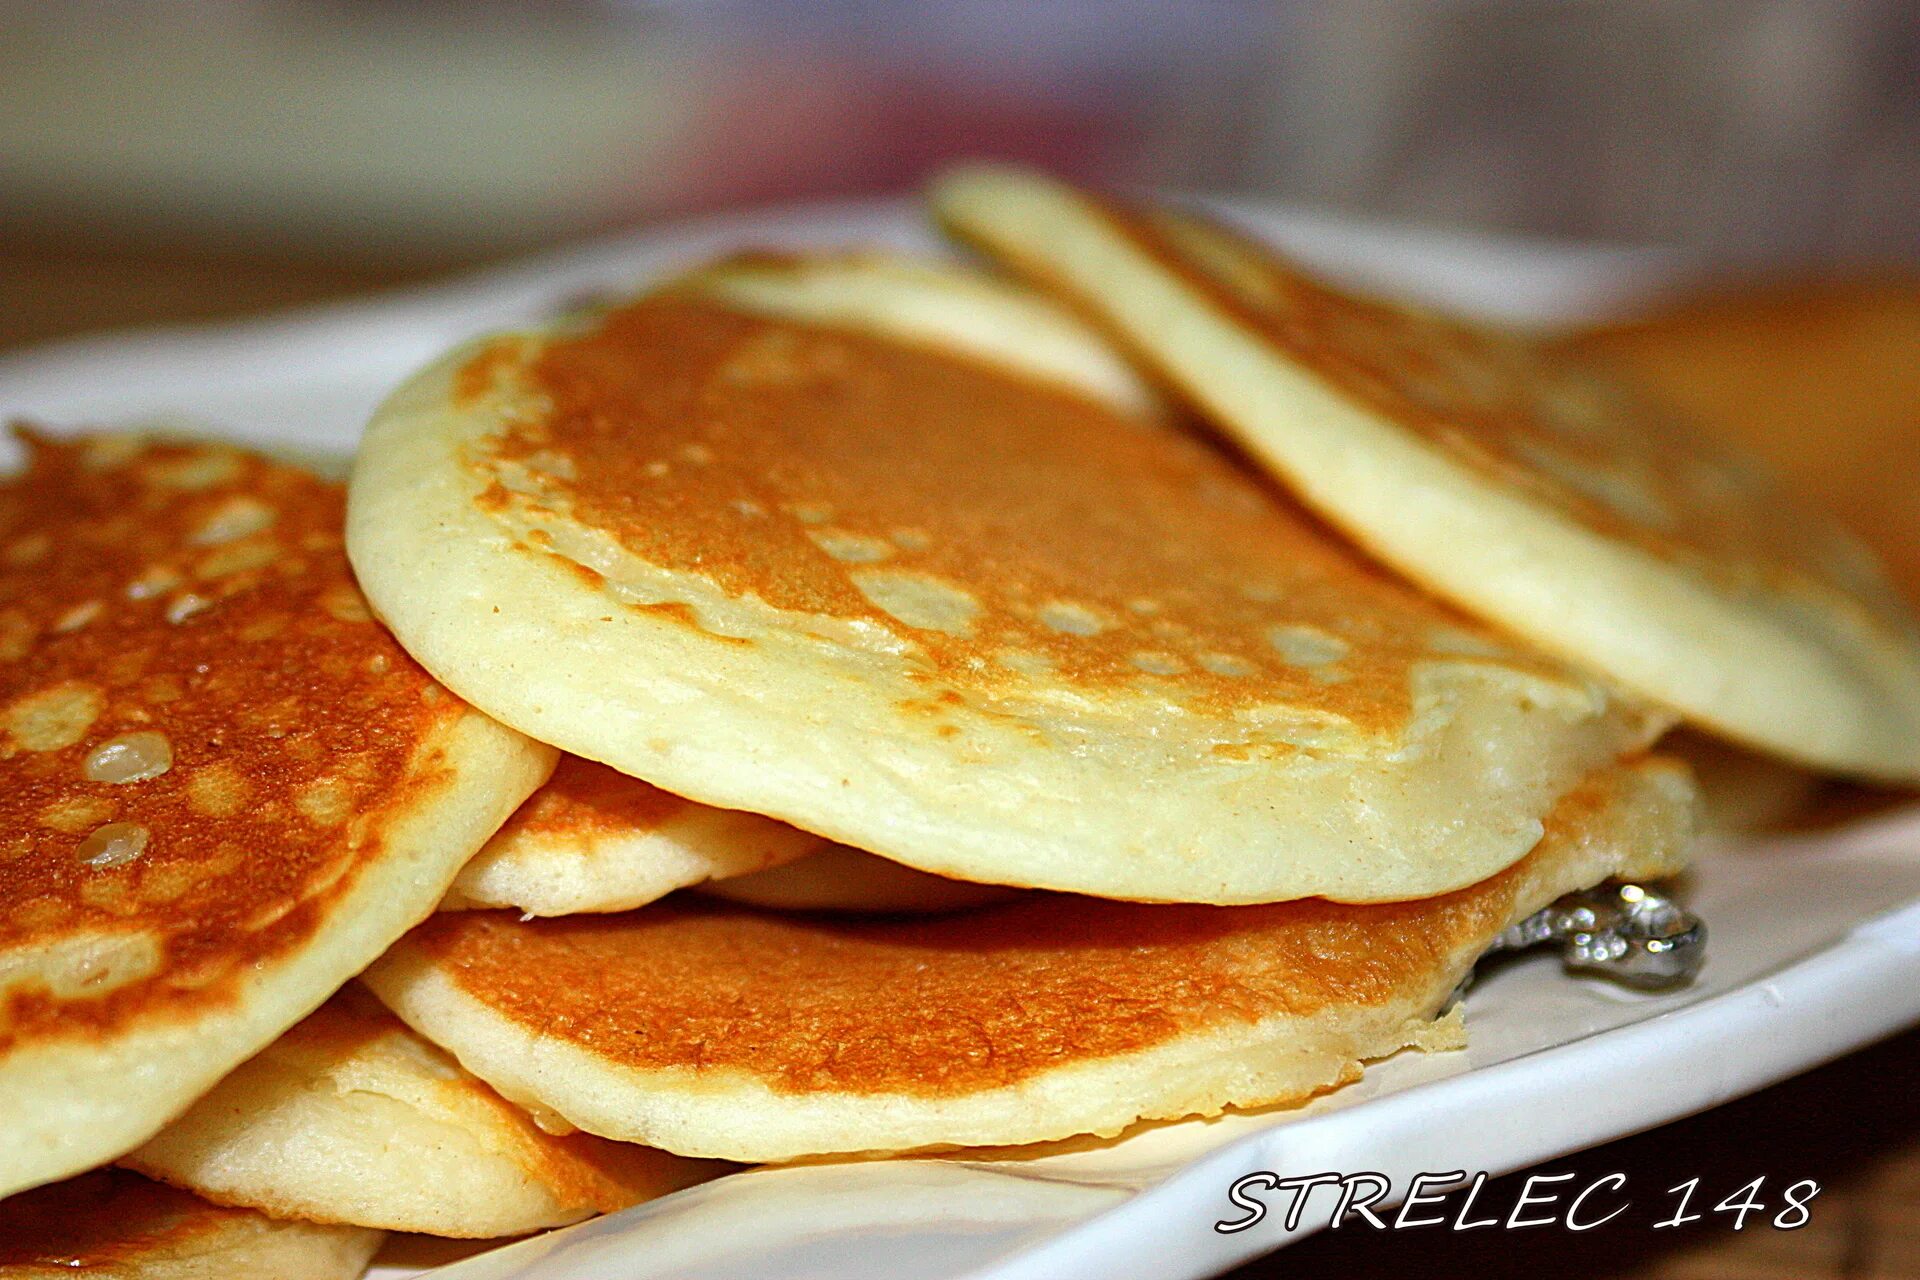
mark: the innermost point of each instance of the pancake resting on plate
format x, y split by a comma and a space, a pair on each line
118, 1226
1517, 485
716, 1030
595, 840
814, 540
350, 1117
228, 789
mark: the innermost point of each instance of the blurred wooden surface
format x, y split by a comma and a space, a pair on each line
1852, 1126
50, 289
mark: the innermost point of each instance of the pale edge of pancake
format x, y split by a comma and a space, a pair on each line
810, 733
944, 306
392, 1133
1828, 691
74, 1103
563, 874
1643, 833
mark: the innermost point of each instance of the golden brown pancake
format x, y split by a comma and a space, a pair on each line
350, 1117
228, 789
995, 625
595, 840
118, 1226
1523, 488
1820, 377
718, 1030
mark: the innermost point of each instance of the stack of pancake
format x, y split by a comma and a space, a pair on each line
847, 705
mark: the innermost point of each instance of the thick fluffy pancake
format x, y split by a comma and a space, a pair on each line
119, 1226
350, 1117
974, 620
716, 1030
595, 840
1525, 490
837, 878
227, 788
1821, 378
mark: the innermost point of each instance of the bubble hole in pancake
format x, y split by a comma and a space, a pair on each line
350, 1117
721, 1031
753, 541
117, 1225
227, 788
1524, 488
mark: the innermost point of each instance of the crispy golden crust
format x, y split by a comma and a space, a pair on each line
801, 1004
583, 800
725, 1032
967, 1002
197, 595
820, 470
214, 758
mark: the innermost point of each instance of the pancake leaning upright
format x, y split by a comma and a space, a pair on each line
895, 555
1535, 495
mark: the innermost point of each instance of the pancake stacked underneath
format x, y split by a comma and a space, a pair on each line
849, 706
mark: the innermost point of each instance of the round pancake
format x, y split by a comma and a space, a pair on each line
838, 878
228, 789
1819, 377
119, 1226
716, 1030
944, 609
595, 840
350, 1117
1523, 488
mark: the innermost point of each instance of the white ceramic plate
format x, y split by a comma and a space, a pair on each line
1815, 942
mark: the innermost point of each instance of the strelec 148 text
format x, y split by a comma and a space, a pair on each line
1458, 1201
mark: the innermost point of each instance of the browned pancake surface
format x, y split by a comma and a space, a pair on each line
1000, 527
947, 1006
585, 799
194, 702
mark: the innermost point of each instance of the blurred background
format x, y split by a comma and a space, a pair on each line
379, 137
